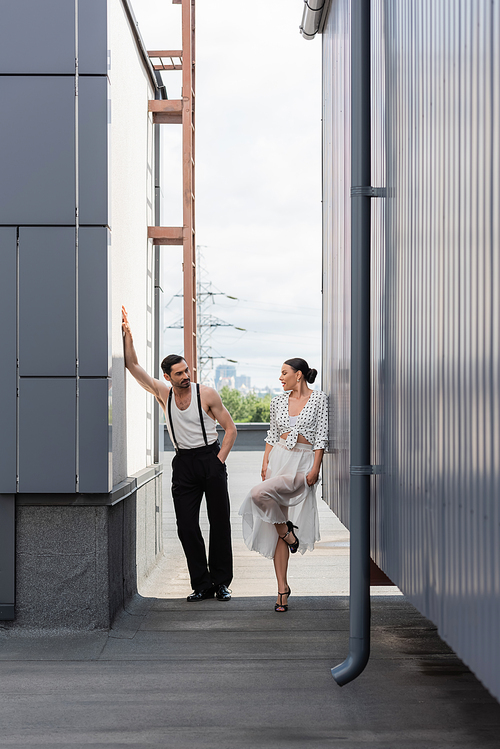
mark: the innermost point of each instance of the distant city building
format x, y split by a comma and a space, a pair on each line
243, 382
225, 376
225, 382
262, 392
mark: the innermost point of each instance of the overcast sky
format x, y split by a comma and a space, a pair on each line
258, 178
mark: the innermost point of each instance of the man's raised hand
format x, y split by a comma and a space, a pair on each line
125, 323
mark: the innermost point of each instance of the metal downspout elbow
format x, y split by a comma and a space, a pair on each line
354, 664
311, 18
359, 604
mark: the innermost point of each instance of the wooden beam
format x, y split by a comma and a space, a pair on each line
166, 111
168, 59
175, 66
160, 118
182, 111
165, 105
165, 53
166, 235
188, 158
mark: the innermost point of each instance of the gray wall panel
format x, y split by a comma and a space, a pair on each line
94, 448
37, 150
47, 435
94, 341
93, 37
93, 150
7, 549
8, 348
47, 301
37, 37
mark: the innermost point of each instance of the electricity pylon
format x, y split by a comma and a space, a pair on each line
206, 322
205, 296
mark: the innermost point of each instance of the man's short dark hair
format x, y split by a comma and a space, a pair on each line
169, 361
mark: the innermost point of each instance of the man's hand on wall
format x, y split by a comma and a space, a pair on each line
125, 324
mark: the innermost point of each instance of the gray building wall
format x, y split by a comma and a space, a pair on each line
77, 564
54, 246
435, 291
73, 532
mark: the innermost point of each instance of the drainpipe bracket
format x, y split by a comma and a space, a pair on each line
312, 19
366, 470
368, 191
314, 10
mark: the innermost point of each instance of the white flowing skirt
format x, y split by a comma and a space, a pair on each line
284, 495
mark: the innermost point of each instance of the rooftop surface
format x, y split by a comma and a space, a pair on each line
226, 675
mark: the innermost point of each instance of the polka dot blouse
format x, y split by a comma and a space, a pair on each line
312, 422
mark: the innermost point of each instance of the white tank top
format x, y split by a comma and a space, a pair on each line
187, 426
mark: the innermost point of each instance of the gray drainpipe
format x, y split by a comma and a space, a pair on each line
361, 193
311, 18
139, 41
160, 93
314, 17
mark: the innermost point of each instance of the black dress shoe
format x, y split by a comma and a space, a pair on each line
201, 595
223, 593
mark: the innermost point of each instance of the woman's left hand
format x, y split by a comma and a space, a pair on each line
312, 477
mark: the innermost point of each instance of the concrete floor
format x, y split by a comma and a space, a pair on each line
236, 674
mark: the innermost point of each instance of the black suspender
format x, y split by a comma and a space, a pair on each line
201, 414
170, 419
200, 411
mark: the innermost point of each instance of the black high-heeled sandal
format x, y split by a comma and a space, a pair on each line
295, 545
282, 607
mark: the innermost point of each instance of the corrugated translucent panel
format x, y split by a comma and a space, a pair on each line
378, 170
442, 353
435, 307
336, 250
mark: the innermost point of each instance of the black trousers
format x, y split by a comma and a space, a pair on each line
194, 473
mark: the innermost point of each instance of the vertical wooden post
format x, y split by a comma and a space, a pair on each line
188, 132
171, 111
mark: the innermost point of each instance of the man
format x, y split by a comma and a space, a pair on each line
198, 467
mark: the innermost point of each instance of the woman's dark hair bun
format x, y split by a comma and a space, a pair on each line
300, 365
311, 375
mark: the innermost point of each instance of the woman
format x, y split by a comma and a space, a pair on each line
285, 501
